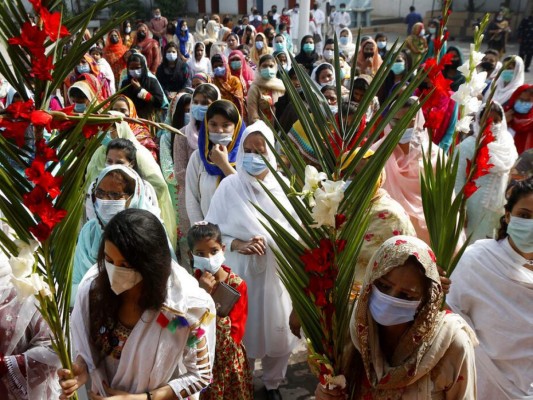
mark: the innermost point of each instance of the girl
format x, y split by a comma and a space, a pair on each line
230, 86
519, 114
173, 74
264, 91
87, 66
232, 378
511, 78
240, 68
218, 142
259, 47
114, 51
346, 44
416, 43
149, 47
185, 40
232, 43
307, 56
199, 63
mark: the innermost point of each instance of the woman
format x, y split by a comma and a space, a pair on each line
511, 78
404, 346
346, 44
307, 56
114, 53
240, 69
124, 105
416, 43
128, 36
399, 69
519, 114
218, 142
186, 41
431, 36
85, 92
264, 91
199, 79
87, 66
451, 72
259, 47
199, 63
492, 290
485, 207
498, 30
212, 28
368, 58
248, 36
143, 88
149, 47
249, 251
120, 324
173, 74
230, 86
232, 44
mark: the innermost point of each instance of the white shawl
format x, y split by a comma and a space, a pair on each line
504, 91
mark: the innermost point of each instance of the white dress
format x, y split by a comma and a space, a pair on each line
200, 186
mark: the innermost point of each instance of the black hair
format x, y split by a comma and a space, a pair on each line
75, 92
515, 192
224, 108
178, 119
292, 73
201, 232
325, 88
127, 146
282, 26
266, 57
245, 50
380, 35
329, 41
493, 52
348, 108
360, 84
217, 58
493, 108
412, 8
321, 68
141, 239
207, 90
96, 50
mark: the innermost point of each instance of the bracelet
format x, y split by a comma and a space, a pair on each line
148, 396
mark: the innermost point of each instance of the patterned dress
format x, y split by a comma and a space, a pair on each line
232, 377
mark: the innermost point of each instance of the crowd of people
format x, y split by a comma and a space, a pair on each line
171, 221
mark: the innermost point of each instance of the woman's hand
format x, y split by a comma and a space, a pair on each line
207, 281
70, 381
135, 83
255, 245
219, 155
445, 282
328, 394
294, 324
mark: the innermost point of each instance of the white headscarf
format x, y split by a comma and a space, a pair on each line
314, 73
349, 49
504, 91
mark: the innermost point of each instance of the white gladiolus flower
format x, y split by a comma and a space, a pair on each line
40, 285
476, 55
21, 267
32, 246
472, 106
462, 96
477, 82
463, 125
24, 288
327, 200
313, 178
464, 69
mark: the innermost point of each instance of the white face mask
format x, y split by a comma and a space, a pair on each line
122, 279
328, 54
387, 310
211, 264
107, 209
407, 135
221, 139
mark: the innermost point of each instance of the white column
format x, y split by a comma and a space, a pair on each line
303, 20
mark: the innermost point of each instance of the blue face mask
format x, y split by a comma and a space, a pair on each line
198, 112
521, 232
382, 45
235, 65
523, 107
80, 107
507, 75
186, 118
279, 46
253, 164
308, 47
135, 73
220, 71
259, 45
398, 68
268, 73
107, 139
83, 69
343, 40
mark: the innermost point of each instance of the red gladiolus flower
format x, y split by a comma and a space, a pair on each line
51, 216
341, 244
339, 220
35, 199
470, 189
44, 152
318, 260
30, 37
36, 5
52, 25
14, 130
318, 286
90, 130
41, 231
20, 109
41, 118
41, 67
39, 176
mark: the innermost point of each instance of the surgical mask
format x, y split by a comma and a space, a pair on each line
211, 264
522, 107
398, 67
220, 138
308, 47
121, 278
135, 73
80, 107
344, 40
387, 310
499, 18
279, 46
334, 109
186, 118
253, 164
113, 40
127, 30
183, 28
259, 45
265, 21
107, 139
507, 75
172, 56
382, 45
407, 135
268, 73
330, 83
422, 32
235, 65
220, 71
328, 54
342, 9
157, 16
198, 112
83, 69
521, 232
295, 9
107, 209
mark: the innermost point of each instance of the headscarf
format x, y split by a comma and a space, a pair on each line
228, 50
149, 47
504, 91
202, 76
306, 59
522, 124
246, 73
114, 53
191, 131
349, 49
255, 54
89, 86
94, 71
286, 52
205, 145
459, 78
199, 31
211, 31
230, 87
415, 41
376, 59
314, 73
183, 37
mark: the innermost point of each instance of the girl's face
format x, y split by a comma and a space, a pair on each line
134, 65
279, 39
309, 41
268, 64
196, 82
121, 106
522, 209
331, 97
207, 248
117, 157
220, 124
216, 64
83, 62
344, 34
96, 56
199, 52
255, 144
325, 76
172, 50
201, 99
111, 188
282, 58
369, 48
259, 39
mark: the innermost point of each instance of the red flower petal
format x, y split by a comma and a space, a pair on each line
470, 189
52, 25
41, 118
41, 231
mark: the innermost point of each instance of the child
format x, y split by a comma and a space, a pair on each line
105, 68
232, 377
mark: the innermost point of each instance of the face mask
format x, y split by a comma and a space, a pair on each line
127, 30
183, 28
499, 18
265, 21
407, 135
279, 46
211, 264
382, 45
122, 279
157, 15
344, 40
198, 112
80, 107
253, 164
107, 209
521, 231
522, 107
330, 83
259, 45
83, 69
342, 9
221, 139
235, 65
113, 40
334, 109
220, 71
268, 73
328, 54
135, 73
398, 68
487, 66
432, 30
187, 118
295, 9
172, 56
422, 32
387, 310
309, 47
507, 75
141, 35
107, 139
